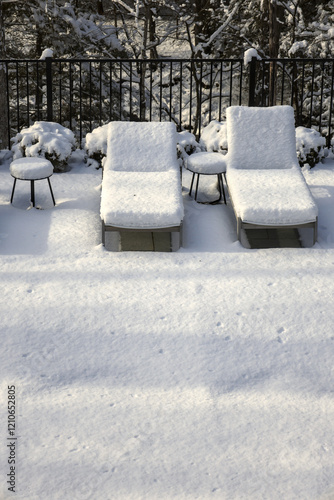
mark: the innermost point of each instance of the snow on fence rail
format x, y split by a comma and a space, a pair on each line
85, 93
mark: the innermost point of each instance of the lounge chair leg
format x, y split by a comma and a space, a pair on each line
315, 233
239, 228
53, 198
197, 187
103, 234
32, 192
221, 187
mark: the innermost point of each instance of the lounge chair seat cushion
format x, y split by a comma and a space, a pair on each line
271, 197
140, 200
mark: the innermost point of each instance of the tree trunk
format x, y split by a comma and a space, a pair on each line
151, 29
100, 9
4, 144
276, 16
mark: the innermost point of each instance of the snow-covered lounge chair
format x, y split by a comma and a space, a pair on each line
264, 179
141, 186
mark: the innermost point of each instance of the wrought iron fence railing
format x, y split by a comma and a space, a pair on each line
83, 94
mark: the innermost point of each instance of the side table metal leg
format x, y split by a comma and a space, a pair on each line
219, 186
32, 192
197, 186
53, 198
191, 185
222, 189
11, 199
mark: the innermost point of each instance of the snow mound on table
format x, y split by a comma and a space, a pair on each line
31, 168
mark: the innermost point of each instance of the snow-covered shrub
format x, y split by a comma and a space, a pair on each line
47, 140
310, 146
95, 145
186, 145
214, 137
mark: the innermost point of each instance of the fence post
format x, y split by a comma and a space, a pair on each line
48, 61
252, 82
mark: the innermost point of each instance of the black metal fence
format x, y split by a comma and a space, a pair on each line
86, 93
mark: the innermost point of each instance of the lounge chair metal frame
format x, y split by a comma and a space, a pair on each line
175, 243
164, 167
242, 224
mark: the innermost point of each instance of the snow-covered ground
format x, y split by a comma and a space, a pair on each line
205, 373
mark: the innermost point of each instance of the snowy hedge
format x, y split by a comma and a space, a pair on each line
214, 137
47, 140
310, 146
95, 145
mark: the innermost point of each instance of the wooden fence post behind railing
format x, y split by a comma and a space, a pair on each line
49, 109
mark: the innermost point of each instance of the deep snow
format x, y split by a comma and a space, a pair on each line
205, 373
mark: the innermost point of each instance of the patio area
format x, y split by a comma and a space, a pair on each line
204, 373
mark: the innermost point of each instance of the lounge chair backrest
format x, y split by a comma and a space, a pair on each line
142, 146
261, 138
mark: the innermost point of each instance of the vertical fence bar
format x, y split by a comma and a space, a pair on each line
241, 80
101, 94
252, 82
80, 98
199, 102
160, 94
60, 91
180, 98
90, 95
120, 90
262, 64
71, 93
8, 106
330, 109
321, 95
110, 90
231, 87
302, 93
221, 90
191, 94
170, 89
28, 96
294, 71
17, 97
49, 79
130, 89
312, 91
210, 91
151, 89
283, 82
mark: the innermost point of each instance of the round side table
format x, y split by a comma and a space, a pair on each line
31, 169
206, 163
